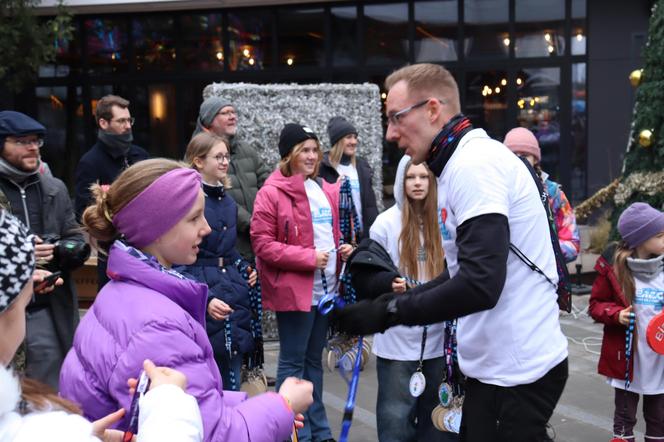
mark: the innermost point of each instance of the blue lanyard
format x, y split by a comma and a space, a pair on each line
629, 340
352, 392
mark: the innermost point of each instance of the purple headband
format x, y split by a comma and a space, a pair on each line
158, 207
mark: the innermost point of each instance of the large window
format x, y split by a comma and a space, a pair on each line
154, 42
436, 30
486, 29
344, 36
250, 40
517, 62
301, 37
386, 33
540, 28
201, 46
106, 45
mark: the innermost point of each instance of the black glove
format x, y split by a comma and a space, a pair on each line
365, 317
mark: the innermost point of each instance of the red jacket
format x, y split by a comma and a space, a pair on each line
282, 237
606, 302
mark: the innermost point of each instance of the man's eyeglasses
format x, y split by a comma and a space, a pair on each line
39, 142
221, 158
396, 117
124, 121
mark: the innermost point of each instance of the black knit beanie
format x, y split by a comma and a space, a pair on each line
339, 127
293, 134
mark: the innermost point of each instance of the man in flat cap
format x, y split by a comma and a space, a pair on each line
42, 203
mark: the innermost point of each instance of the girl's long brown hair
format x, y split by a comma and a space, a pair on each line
40, 397
409, 239
623, 273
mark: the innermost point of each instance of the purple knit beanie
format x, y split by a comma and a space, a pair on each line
638, 223
158, 207
522, 141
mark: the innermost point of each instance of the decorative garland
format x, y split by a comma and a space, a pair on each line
650, 183
585, 209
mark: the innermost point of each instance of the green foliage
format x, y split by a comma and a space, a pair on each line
27, 42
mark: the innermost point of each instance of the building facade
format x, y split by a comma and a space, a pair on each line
557, 67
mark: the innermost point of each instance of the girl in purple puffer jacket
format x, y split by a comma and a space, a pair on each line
154, 212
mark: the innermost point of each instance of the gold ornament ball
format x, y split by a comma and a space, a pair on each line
646, 138
636, 77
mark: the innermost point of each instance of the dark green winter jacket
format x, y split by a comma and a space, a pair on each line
247, 172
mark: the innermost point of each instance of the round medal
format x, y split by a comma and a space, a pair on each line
445, 394
417, 384
655, 333
436, 417
452, 420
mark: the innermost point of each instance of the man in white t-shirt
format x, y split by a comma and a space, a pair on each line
510, 345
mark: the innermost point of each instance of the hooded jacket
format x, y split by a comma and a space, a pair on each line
145, 313
283, 238
166, 413
606, 301
367, 195
396, 342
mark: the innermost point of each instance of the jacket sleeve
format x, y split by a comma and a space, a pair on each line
265, 238
168, 413
168, 343
262, 170
483, 244
568, 232
243, 219
602, 305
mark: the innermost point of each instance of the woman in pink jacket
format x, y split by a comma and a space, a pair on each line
295, 235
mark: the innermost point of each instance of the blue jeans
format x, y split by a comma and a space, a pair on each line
302, 337
227, 366
400, 416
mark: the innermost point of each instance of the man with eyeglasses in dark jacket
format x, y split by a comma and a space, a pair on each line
111, 154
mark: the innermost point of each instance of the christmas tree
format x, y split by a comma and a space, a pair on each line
642, 177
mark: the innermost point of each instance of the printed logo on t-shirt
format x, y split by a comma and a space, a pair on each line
442, 218
354, 184
650, 296
324, 216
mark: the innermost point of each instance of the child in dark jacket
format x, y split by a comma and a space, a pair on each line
627, 293
218, 264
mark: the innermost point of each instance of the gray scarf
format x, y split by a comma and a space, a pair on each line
646, 268
14, 174
118, 144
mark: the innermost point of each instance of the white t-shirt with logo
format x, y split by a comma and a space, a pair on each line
401, 342
519, 340
351, 172
648, 366
321, 217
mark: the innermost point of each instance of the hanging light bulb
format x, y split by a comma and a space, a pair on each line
503, 82
547, 37
251, 61
506, 41
246, 52
497, 89
519, 81
289, 61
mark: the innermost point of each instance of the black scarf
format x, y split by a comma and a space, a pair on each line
445, 143
117, 145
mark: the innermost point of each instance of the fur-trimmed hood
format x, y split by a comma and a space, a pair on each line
10, 391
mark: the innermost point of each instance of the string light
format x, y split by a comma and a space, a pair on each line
519, 81
289, 61
579, 37
506, 41
497, 89
220, 55
383, 95
547, 37
503, 82
251, 61
550, 49
246, 52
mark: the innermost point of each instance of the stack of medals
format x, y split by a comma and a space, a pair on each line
447, 415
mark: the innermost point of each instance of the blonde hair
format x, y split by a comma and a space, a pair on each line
109, 200
336, 152
623, 273
428, 80
409, 238
200, 145
285, 163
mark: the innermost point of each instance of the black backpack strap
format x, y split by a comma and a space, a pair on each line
563, 287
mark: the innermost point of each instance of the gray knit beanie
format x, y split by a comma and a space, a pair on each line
339, 127
209, 109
